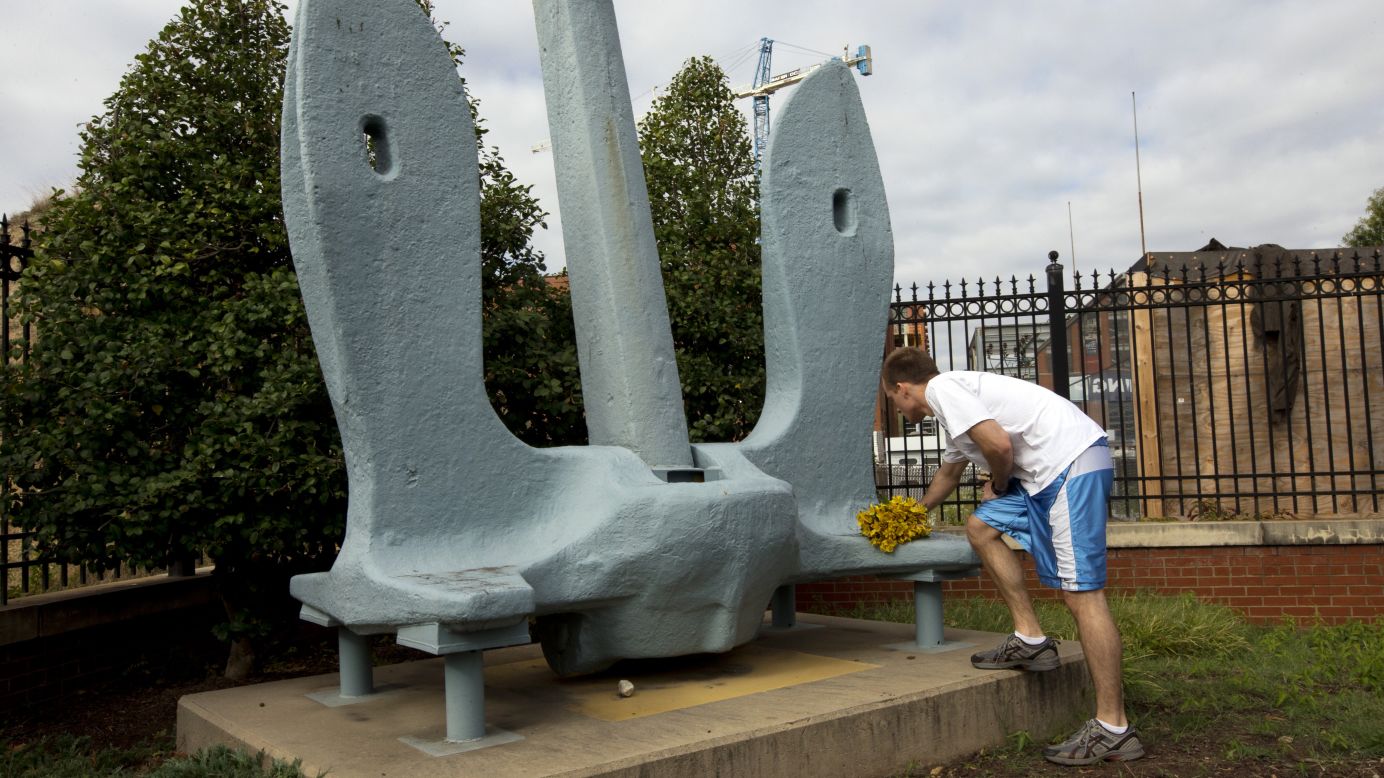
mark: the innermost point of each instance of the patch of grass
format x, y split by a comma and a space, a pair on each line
70, 757
1199, 679
975, 613
1181, 625
900, 611
1151, 625
1313, 689
75, 757
223, 762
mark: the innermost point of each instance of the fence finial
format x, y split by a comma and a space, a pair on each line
1057, 326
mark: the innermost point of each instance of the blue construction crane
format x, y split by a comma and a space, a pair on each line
761, 101
765, 85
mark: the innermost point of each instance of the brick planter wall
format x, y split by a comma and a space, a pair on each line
1332, 570
53, 646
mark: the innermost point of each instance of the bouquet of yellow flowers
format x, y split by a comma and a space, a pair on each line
887, 524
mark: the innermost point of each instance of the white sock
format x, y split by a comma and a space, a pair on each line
1032, 641
1114, 730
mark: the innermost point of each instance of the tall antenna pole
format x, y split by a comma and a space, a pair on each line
1071, 233
1138, 177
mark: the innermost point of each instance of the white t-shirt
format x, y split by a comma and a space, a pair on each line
1046, 432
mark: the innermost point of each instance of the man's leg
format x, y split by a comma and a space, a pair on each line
1100, 640
1004, 569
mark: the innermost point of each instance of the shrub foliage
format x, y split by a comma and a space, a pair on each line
171, 403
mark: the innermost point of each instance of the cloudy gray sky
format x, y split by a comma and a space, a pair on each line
1259, 121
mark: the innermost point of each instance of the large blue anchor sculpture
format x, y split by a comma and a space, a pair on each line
460, 537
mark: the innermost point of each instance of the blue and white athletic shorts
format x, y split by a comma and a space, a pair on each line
1063, 526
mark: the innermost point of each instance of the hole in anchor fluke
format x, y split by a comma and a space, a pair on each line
843, 211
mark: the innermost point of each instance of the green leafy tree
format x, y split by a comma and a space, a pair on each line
1369, 231
700, 174
172, 402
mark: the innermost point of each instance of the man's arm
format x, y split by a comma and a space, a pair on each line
944, 481
994, 444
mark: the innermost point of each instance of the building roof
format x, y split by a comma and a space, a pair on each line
1268, 260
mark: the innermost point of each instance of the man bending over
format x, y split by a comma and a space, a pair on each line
1051, 474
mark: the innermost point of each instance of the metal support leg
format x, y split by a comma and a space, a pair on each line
357, 671
465, 690
785, 606
463, 679
927, 613
927, 608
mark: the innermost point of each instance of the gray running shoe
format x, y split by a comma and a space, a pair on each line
1094, 743
1013, 652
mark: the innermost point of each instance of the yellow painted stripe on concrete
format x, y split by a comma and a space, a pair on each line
745, 671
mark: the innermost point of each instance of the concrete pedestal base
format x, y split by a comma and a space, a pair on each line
828, 701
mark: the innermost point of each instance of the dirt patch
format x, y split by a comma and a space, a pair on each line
1189, 755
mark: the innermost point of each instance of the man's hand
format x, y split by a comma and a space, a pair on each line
987, 492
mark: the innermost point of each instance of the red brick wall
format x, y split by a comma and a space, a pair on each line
1333, 582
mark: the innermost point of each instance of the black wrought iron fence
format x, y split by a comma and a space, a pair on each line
16, 557
1231, 383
